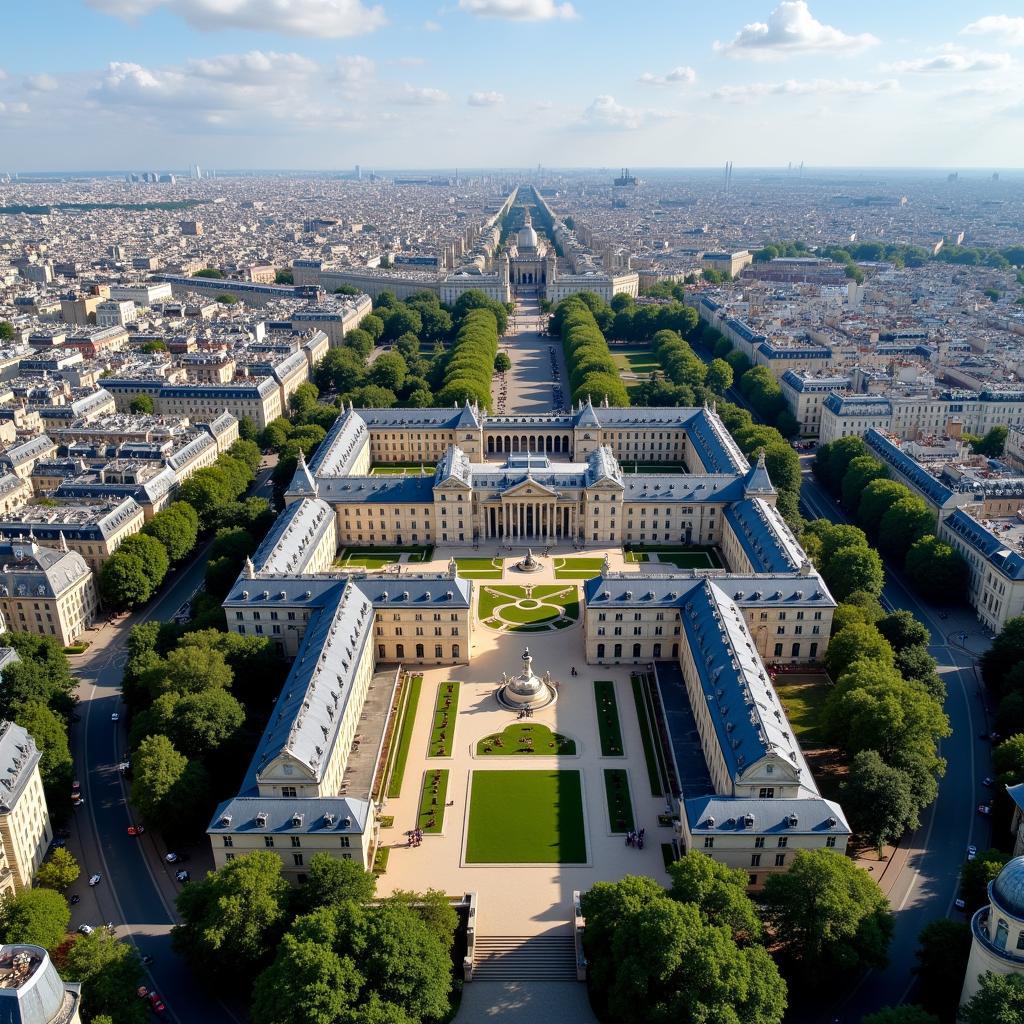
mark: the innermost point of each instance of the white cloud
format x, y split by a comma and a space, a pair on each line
606, 114
485, 99
323, 18
1010, 30
431, 26
354, 69
953, 60
40, 83
677, 76
420, 96
791, 29
806, 87
519, 10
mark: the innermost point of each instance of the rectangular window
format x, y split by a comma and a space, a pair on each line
297, 859
780, 859
755, 860
830, 841
759, 843
783, 841
296, 841
287, 791
346, 842
766, 793
709, 842
229, 856
229, 840
268, 841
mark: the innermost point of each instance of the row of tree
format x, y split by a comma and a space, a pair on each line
885, 712
591, 368
325, 953
136, 570
700, 950
470, 364
898, 521
900, 255
688, 379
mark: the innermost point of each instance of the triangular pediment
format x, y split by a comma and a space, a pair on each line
529, 489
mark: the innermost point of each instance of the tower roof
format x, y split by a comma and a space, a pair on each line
302, 482
1008, 889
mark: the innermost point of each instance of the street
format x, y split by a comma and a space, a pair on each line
138, 888
927, 884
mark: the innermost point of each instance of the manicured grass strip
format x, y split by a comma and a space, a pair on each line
547, 606
526, 817
446, 710
651, 761
620, 807
525, 738
479, 568
608, 727
668, 854
377, 558
683, 556
403, 736
804, 704
577, 568
380, 860
433, 795
393, 468
647, 683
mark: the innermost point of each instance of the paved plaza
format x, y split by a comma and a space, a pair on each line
518, 898
530, 384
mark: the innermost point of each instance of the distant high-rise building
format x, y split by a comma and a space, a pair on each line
359, 173
196, 172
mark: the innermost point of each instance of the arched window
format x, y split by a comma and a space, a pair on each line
657, 651
490, 445
455, 650
600, 650
618, 650
400, 651
636, 650
419, 650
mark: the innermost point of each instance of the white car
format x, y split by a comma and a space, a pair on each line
115, 717
972, 852
85, 929
171, 858
95, 880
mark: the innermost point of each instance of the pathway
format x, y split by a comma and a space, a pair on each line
525, 1002
530, 386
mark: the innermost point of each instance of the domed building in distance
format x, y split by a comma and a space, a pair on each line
997, 931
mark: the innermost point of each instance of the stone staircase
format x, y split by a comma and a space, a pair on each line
524, 958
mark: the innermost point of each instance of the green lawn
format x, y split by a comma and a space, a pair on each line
403, 734
446, 710
803, 698
525, 738
620, 807
696, 556
548, 605
395, 468
526, 817
650, 758
433, 794
377, 558
380, 860
608, 727
635, 360
578, 568
653, 467
668, 854
479, 568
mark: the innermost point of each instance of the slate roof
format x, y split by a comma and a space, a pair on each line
344, 441
813, 816
1010, 563
765, 537
908, 468
387, 488
713, 444
337, 815
682, 487
18, 756
293, 537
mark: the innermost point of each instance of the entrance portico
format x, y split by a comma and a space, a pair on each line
544, 519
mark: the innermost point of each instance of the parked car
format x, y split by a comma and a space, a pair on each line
115, 717
959, 903
95, 880
156, 1003
136, 830
987, 781
972, 852
74, 898
175, 858
985, 809
85, 929
183, 876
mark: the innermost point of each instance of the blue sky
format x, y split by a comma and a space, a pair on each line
510, 83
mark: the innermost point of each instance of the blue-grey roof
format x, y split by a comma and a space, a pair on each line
798, 380
908, 468
708, 815
18, 756
337, 815
986, 543
1007, 891
426, 419
713, 444
344, 441
777, 350
454, 464
672, 590
387, 488
295, 535
765, 537
682, 487
858, 405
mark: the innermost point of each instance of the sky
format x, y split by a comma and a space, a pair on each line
327, 84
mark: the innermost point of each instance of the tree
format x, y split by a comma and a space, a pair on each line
232, 920
831, 460
211, 272
177, 529
110, 971
902, 630
191, 669
156, 768
196, 723
39, 917
999, 1000
993, 443
908, 1013
937, 569
719, 377
862, 470
502, 363
306, 984
1008, 760
151, 553
905, 523
720, 893
60, 871
330, 881
828, 914
1007, 650
6, 330
124, 581
142, 404
877, 498
879, 800
303, 398
976, 874
654, 959
227, 299
854, 568
825, 538
51, 735
942, 952
205, 490
858, 641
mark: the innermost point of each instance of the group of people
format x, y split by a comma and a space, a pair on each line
416, 835
573, 671
636, 838
556, 388
525, 713
502, 391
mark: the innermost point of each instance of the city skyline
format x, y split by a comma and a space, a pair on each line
326, 84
